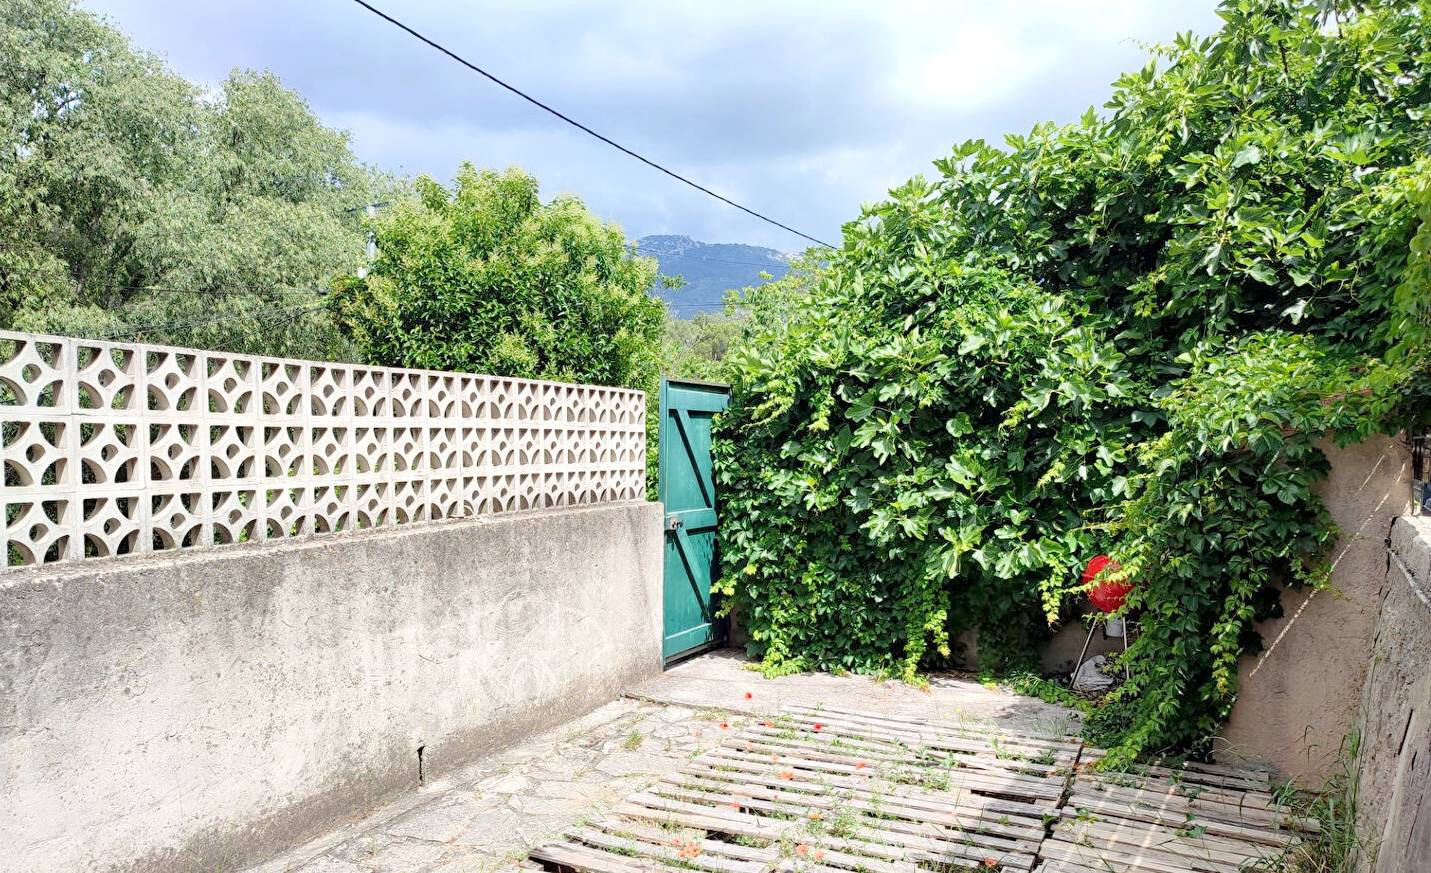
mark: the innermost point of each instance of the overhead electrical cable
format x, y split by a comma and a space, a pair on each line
582, 127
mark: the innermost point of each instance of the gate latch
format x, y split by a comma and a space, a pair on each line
672, 522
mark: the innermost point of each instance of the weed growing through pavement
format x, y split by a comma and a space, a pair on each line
1336, 845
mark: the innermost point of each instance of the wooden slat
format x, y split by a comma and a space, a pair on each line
1122, 853
667, 852
1013, 748
874, 793
1178, 841
1070, 743
958, 817
1113, 811
1044, 790
1215, 775
1208, 793
685, 812
925, 839
579, 857
653, 834
1252, 814
857, 746
1056, 866
1007, 743
1110, 860
890, 830
867, 788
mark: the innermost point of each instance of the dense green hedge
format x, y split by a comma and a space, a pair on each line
1123, 335
485, 277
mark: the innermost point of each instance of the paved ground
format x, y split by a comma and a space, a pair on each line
486, 816
723, 678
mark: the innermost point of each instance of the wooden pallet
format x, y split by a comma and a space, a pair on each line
1203, 818
835, 790
832, 790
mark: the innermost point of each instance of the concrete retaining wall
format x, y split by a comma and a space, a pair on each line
1394, 765
195, 712
1297, 700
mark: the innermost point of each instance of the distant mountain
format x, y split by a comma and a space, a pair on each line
709, 269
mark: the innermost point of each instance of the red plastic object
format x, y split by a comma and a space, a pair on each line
1106, 596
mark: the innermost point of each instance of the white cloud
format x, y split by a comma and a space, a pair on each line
802, 110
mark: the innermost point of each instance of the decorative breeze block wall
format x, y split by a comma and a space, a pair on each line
113, 448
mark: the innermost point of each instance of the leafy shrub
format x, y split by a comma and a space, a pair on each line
1224, 514
693, 348
487, 278
1125, 335
134, 203
697, 348
900, 439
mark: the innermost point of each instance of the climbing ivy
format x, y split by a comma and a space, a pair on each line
1225, 514
1127, 335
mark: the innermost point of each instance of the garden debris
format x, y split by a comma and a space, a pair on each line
1091, 675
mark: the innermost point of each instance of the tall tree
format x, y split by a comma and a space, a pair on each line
132, 203
485, 277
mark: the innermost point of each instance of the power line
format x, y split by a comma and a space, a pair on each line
578, 125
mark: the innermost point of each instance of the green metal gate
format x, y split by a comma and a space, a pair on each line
687, 490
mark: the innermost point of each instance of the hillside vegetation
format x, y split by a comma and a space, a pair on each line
708, 270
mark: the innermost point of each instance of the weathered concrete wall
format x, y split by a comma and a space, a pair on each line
1394, 764
1297, 700
195, 712
1059, 654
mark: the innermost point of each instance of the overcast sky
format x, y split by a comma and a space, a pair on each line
800, 110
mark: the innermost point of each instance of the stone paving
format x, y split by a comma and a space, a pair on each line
722, 678
485, 816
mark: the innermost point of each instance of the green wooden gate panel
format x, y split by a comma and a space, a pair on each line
687, 490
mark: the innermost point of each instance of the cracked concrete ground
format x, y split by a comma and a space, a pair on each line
487, 815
